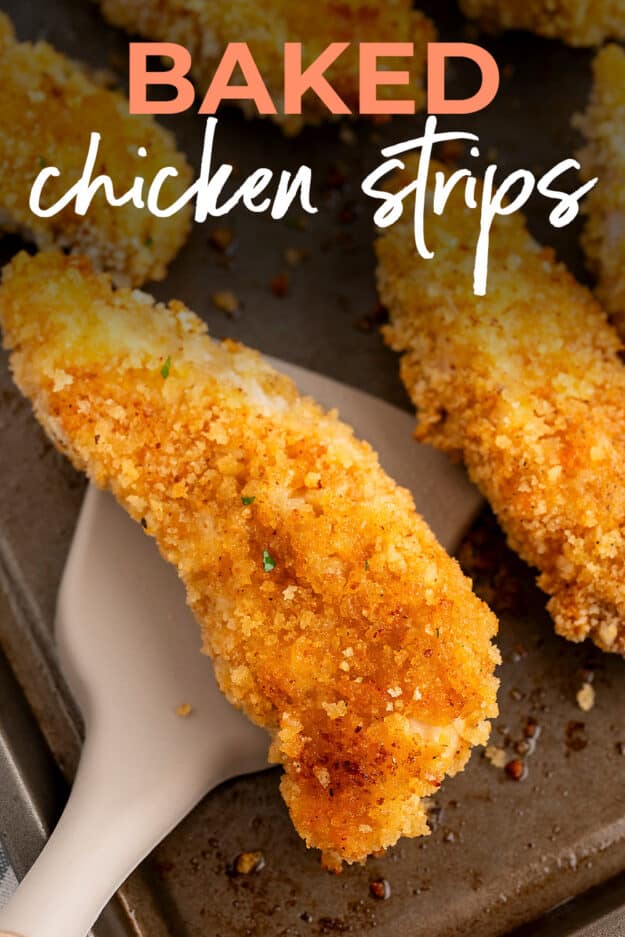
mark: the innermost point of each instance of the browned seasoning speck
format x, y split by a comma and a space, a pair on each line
380, 889
531, 729
515, 769
280, 285
576, 738
221, 239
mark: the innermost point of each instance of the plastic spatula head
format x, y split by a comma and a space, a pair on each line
130, 652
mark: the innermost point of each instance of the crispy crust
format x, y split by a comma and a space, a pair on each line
364, 651
604, 157
206, 26
527, 386
577, 22
49, 109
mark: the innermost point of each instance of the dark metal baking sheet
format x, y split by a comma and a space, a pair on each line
502, 852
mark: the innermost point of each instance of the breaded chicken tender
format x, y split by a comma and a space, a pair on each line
205, 27
603, 124
332, 614
49, 109
576, 22
525, 384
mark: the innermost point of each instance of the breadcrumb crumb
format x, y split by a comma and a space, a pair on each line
497, 756
226, 301
178, 454
586, 697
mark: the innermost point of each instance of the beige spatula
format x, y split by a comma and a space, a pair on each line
129, 650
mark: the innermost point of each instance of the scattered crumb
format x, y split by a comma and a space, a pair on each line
294, 256
226, 302
184, 710
221, 239
248, 862
586, 697
347, 135
496, 756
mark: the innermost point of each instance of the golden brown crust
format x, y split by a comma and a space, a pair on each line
604, 158
364, 650
206, 26
576, 22
49, 109
526, 385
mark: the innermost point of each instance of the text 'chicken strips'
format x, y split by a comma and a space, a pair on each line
575, 22
526, 385
49, 110
333, 616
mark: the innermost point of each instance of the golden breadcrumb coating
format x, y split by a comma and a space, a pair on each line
576, 22
603, 124
333, 616
49, 109
526, 385
205, 27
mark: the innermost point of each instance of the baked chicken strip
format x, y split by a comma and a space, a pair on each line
526, 385
50, 107
576, 22
205, 27
332, 614
604, 157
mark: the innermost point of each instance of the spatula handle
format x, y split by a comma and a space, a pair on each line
111, 822
89, 853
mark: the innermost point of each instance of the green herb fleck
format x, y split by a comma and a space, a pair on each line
438, 632
248, 500
367, 565
42, 162
166, 368
149, 241
269, 564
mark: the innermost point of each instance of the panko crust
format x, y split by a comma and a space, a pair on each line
576, 22
205, 27
49, 109
603, 125
363, 651
527, 387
